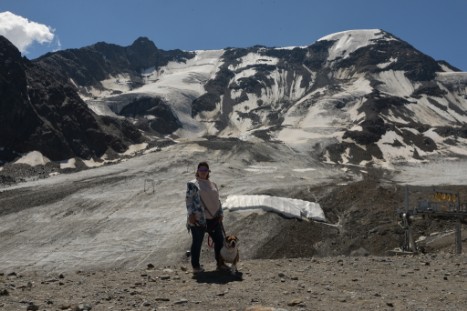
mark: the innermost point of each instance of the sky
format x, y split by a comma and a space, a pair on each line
436, 28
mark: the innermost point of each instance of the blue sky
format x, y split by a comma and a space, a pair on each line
437, 28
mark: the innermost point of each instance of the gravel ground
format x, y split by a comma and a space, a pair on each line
423, 282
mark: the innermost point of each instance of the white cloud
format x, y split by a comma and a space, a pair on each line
22, 32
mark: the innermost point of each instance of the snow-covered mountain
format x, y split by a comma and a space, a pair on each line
360, 97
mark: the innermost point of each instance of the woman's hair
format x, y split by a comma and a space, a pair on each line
203, 164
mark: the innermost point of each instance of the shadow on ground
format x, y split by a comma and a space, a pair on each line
217, 277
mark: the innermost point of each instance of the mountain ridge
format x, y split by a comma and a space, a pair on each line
360, 97
41, 113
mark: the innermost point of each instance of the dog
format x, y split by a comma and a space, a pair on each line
230, 252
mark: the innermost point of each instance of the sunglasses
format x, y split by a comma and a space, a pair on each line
203, 169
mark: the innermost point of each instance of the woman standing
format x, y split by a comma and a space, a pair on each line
204, 215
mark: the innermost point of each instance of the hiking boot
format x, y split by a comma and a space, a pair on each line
198, 270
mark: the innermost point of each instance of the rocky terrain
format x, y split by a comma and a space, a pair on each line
286, 264
423, 282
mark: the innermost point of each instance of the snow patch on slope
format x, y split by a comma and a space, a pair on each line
395, 83
33, 158
254, 59
349, 41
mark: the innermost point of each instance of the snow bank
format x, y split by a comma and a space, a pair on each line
70, 163
292, 208
133, 149
33, 158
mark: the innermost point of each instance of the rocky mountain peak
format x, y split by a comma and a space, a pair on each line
143, 43
42, 113
8, 50
375, 50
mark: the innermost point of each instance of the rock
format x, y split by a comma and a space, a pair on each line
361, 252
181, 301
32, 307
262, 308
82, 307
294, 302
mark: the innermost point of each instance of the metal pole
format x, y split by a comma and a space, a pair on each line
458, 227
411, 241
406, 198
458, 236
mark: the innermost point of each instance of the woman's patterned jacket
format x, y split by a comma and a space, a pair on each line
194, 205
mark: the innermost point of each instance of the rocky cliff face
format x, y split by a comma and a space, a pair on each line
41, 113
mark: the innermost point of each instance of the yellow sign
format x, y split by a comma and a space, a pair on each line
445, 197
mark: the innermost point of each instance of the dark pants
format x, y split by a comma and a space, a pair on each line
214, 229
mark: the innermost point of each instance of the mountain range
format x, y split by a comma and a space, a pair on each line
358, 97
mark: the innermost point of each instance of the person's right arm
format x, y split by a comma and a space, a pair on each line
191, 205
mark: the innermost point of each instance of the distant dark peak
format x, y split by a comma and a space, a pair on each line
7, 49
102, 47
4, 41
144, 42
103, 44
